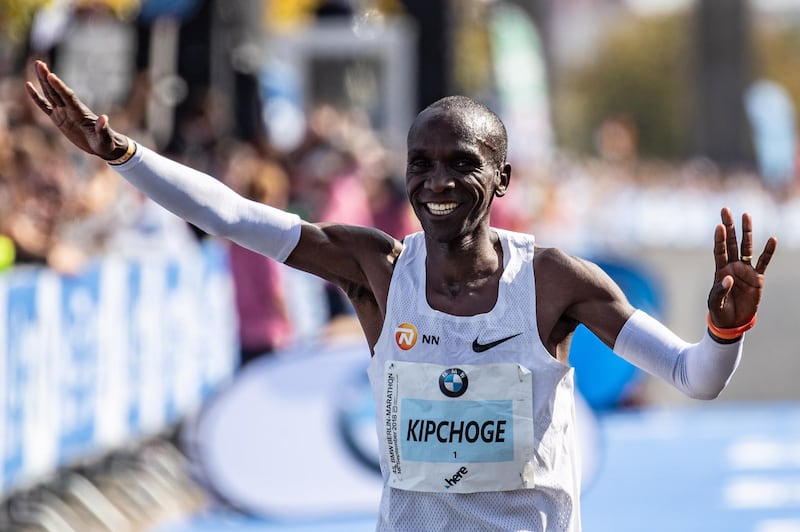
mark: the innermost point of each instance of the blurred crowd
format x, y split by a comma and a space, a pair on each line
60, 208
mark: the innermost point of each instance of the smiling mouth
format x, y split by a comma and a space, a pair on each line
441, 209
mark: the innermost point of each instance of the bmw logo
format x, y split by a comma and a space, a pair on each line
453, 382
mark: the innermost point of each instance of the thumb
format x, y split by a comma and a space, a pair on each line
101, 127
720, 291
105, 134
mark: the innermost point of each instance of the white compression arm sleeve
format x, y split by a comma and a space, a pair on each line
211, 205
700, 370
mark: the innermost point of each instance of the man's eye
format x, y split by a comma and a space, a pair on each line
464, 164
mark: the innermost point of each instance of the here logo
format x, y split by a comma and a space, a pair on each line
455, 479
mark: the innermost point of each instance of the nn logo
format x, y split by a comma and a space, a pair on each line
405, 336
430, 339
455, 479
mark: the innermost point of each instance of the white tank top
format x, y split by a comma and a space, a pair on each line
476, 420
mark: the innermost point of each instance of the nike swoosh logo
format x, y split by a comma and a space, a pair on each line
480, 348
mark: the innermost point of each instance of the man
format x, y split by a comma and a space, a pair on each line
469, 326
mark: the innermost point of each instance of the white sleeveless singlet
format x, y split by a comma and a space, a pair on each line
475, 419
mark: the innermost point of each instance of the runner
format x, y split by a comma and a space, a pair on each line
469, 326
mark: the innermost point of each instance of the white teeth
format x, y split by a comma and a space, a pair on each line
441, 209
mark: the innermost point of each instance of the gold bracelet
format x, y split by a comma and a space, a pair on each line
129, 151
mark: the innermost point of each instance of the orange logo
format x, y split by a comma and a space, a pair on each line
406, 336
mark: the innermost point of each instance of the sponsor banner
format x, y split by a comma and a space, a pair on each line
114, 350
90, 362
148, 317
35, 360
76, 362
215, 323
20, 317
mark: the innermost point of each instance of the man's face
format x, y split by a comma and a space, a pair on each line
451, 174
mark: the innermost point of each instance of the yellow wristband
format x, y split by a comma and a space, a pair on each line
127, 155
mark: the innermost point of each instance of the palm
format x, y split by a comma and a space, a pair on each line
77, 124
741, 303
732, 304
71, 116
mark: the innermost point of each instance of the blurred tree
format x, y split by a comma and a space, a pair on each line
776, 58
540, 12
285, 14
639, 75
722, 72
434, 48
472, 71
16, 17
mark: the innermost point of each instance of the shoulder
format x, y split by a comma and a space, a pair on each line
569, 272
556, 260
344, 253
356, 240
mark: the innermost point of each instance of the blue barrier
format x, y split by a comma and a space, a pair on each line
120, 352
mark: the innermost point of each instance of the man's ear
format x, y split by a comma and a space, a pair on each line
503, 179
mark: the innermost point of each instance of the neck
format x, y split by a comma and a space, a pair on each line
472, 258
464, 279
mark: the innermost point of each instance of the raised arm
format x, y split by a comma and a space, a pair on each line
703, 369
337, 253
700, 370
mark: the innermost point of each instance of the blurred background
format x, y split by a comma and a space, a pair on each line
153, 378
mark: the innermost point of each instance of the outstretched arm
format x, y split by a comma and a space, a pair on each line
205, 201
194, 196
702, 370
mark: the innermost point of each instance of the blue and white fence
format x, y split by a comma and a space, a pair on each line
116, 354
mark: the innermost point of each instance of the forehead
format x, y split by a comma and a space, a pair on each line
447, 129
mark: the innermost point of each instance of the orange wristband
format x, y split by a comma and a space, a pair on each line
731, 333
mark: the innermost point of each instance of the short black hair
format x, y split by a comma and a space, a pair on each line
497, 139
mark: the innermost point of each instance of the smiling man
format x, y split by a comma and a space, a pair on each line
469, 326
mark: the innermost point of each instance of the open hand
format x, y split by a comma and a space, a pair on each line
736, 293
73, 118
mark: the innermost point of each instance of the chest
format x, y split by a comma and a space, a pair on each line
463, 299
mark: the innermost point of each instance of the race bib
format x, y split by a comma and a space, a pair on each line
463, 428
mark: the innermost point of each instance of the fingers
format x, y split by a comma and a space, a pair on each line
38, 99
65, 94
720, 251
766, 255
747, 238
731, 243
727, 249
43, 75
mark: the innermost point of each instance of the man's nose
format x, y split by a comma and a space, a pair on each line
439, 181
